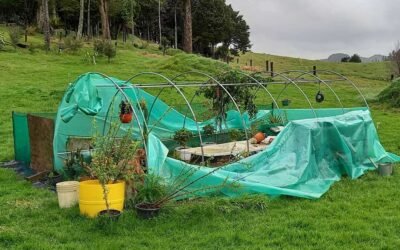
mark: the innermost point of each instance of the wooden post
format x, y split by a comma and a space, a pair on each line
266, 65
314, 70
272, 69
391, 77
251, 63
237, 60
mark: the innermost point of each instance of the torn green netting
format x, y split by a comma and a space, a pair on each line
314, 150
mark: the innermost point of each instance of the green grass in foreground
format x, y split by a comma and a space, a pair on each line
353, 214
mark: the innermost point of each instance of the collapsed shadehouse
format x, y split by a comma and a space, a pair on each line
315, 148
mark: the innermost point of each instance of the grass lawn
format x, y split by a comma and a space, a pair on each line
353, 214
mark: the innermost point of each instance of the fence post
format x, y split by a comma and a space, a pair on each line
272, 69
315, 70
266, 65
251, 63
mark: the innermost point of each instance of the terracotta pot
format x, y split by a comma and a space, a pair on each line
125, 118
259, 137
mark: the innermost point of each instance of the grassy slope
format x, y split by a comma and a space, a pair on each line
353, 214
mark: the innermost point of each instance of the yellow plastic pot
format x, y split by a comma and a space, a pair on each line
91, 197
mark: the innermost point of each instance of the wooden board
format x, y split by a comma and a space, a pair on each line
41, 132
223, 149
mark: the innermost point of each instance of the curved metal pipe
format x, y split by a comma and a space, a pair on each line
119, 89
291, 81
316, 77
350, 81
230, 96
259, 85
183, 96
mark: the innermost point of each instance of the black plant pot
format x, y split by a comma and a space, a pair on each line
146, 210
112, 214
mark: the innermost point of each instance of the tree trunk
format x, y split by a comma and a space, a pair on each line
159, 19
187, 26
132, 22
89, 33
80, 25
105, 25
175, 28
46, 24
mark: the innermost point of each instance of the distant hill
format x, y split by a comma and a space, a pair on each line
337, 57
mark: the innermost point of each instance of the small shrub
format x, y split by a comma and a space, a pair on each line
32, 48
109, 50
15, 34
31, 30
172, 52
144, 45
98, 46
106, 48
391, 94
72, 44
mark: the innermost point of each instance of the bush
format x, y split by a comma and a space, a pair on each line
355, 58
391, 94
172, 52
98, 46
72, 44
103, 47
15, 34
31, 30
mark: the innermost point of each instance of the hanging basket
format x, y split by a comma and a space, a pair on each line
125, 118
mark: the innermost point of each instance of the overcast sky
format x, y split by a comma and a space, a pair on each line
317, 28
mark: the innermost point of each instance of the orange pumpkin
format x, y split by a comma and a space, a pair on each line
259, 137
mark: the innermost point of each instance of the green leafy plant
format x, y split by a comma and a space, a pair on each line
276, 119
164, 44
221, 100
15, 34
74, 165
209, 129
110, 161
150, 189
106, 48
72, 44
182, 136
125, 107
235, 134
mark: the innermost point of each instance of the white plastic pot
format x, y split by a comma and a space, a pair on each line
68, 193
183, 154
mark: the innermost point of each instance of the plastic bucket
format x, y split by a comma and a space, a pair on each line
91, 197
67, 193
385, 169
184, 155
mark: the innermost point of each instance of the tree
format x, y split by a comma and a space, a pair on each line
187, 26
355, 58
394, 57
105, 23
80, 25
46, 23
345, 59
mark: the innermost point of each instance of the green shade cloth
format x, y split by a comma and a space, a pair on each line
313, 151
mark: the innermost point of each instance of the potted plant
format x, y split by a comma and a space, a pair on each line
126, 111
149, 191
182, 137
154, 193
110, 166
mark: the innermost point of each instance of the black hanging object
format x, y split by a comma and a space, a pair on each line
319, 97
